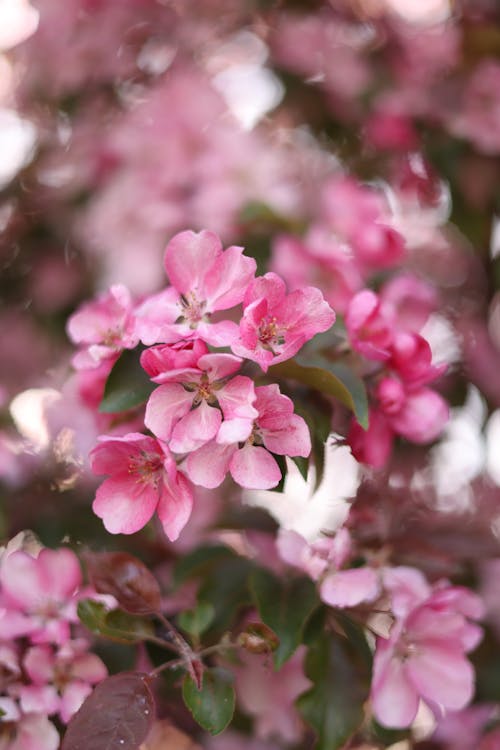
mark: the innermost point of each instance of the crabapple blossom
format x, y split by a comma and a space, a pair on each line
103, 328
204, 279
424, 655
244, 449
188, 407
275, 325
322, 560
370, 332
38, 594
143, 479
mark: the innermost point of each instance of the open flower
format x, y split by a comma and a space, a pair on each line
244, 448
144, 479
276, 325
204, 279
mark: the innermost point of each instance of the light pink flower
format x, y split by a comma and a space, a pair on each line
187, 409
269, 696
38, 595
424, 656
103, 328
144, 479
33, 732
276, 429
409, 301
60, 680
204, 279
275, 325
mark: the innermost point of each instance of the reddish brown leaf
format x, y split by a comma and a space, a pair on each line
118, 715
127, 579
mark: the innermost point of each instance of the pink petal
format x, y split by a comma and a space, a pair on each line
254, 468
422, 418
219, 366
209, 465
270, 287
442, 674
175, 506
188, 256
234, 431
394, 699
198, 427
60, 573
21, 580
124, 504
223, 333
167, 404
292, 439
112, 455
72, 698
40, 699
39, 664
155, 318
227, 279
347, 588
237, 398
88, 667
36, 732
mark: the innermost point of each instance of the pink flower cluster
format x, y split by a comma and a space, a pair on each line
404, 404
47, 668
207, 419
423, 655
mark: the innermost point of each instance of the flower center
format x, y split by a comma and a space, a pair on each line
269, 333
192, 308
147, 467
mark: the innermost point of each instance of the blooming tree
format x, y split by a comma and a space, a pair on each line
250, 412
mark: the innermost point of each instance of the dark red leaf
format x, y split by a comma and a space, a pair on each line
127, 579
118, 715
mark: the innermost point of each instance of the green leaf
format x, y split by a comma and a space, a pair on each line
225, 586
332, 378
127, 386
213, 705
333, 706
302, 464
196, 621
115, 624
285, 607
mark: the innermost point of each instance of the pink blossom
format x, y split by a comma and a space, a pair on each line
275, 325
32, 732
143, 479
276, 429
187, 409
408, 300
60, 680
411, 358
322, 560
372, 446
378, 245
103, 328
424, 655
369, 329
204, 279
268, 696
38, 594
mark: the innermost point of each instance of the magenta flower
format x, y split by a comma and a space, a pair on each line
204, 279
143, 479
276, 325
103, 328
187, 409
276, 429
